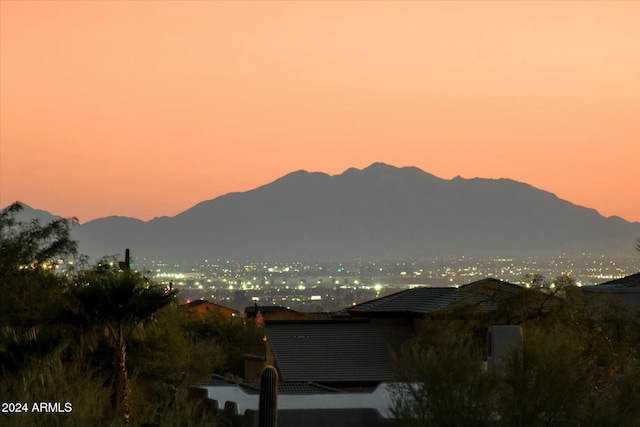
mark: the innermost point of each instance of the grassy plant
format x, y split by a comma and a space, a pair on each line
71, 385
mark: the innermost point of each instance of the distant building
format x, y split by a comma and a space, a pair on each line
625, 290
260, 313
352, 348
426, 304
205, 307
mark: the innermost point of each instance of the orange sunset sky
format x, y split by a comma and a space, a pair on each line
145, 108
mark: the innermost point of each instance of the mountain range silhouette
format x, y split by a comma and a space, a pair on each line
379, 212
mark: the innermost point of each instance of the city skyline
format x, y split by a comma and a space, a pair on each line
145, 109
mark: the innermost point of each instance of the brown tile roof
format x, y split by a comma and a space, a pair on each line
491, 284
203, 306
486, 294
411, 301
424, 300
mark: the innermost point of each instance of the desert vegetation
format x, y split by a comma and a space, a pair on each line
577, 364
100, 344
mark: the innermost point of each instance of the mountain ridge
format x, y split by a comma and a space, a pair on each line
380, 211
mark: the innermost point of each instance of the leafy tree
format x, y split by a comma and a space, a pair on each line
29, 254
120, 301
618, 407
56, 325
230, 334
29, 247
445, 385
547, 384
31, 288
578, 365
165, 360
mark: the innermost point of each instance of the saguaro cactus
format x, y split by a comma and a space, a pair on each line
268, 407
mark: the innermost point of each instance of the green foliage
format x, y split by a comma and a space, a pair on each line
547, 384
65, 336
618, 407
577, 366
119, 301
60, 381
177, 349
165, 361
445, 385
31, 247
230, 335
31, 290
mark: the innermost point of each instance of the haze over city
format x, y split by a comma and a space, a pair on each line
145, 109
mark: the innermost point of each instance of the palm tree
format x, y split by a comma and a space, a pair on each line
119, 301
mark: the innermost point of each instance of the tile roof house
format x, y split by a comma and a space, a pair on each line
204, 307
346, 363
625, 290
424, 304
491, 285
411, 302
421, 301
631, 281
260, 313
355, 349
